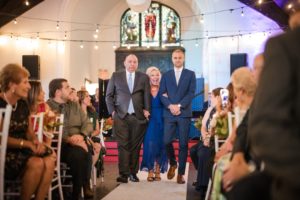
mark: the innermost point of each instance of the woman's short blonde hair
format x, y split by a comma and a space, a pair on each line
242, 78
151, 69
12, 73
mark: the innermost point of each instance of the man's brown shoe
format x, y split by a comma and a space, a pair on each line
180, 179
171, 172
88, 193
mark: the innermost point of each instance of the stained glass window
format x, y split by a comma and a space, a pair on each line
170, 26
130, 27
157, 26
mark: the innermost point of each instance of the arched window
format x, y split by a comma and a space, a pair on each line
159, 25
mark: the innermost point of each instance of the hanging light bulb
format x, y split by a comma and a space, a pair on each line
206, 34
27, 3
202, 18
260, 2
15, 21
242, 12
65, 35
114, 46
81, 45
97, 29
57, 25
96, 47
37, 35
95, 36
197, 44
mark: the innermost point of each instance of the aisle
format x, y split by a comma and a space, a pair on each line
144, 190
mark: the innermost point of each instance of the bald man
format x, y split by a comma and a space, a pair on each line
128, 101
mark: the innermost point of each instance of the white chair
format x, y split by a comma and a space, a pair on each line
94, 170
38, 119
56, 145
5, 114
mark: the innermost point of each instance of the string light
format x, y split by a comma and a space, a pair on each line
97, 29
27, 3
65, 35
202, 19
290, 6
95, 36
37, 35
15, 21
242, 12
114, 46
81, 45
57, 25
260, 2
96, 47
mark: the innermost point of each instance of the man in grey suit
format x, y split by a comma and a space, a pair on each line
128, 101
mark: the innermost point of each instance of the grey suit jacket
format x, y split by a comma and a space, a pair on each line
118, 95
274, 121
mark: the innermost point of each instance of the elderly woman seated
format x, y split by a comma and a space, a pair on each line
26, 158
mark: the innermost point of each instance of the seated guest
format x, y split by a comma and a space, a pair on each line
26, 158
274, 120
37, 104
76, 149
84, 100
244, 86
202, 153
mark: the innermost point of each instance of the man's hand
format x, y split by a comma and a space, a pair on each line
146, 114
175, 109
78, 140
234, 172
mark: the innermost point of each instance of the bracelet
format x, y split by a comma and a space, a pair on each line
21, 143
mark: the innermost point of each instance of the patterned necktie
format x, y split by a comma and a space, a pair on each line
130, 85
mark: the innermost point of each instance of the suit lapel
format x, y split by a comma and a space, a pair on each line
174, 78
181, 77
124, 80
136, 79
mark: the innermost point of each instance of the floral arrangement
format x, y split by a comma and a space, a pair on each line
219, 124
107, 124
198, 123
49, 124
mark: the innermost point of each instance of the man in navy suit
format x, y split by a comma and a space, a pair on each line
176, 92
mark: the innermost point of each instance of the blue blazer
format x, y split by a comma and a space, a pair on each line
183, 93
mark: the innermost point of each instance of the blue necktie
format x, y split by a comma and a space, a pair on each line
130, 85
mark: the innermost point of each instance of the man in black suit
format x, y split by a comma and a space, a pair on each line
128, 101
274, 121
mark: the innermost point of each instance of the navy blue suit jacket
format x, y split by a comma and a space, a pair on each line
183, 93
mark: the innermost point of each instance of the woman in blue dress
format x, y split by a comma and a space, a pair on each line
155, 159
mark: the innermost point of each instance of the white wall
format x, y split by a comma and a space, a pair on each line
210, 58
